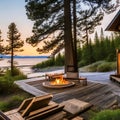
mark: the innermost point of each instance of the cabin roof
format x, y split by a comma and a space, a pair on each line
115, 23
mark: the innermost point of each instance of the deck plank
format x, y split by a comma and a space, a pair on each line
95, 93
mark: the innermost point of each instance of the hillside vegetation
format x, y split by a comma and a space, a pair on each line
99, 55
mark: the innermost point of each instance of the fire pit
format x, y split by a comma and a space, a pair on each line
58, 82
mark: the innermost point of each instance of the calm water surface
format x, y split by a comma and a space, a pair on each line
22, 61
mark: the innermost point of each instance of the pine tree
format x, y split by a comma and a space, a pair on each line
48, 17
87, 24
59, 60
92, 57
1, 46
96, 38
88, 54
79, 54
15, 43
101, 35
102, 50
117, 40
96, 47
112, 54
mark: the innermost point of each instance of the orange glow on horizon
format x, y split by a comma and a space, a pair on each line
30, 51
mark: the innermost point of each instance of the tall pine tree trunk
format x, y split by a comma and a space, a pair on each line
70, 60
75, 38
68, 35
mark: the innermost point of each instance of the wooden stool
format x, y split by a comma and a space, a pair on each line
83, 81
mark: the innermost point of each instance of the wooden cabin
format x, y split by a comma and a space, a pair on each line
115, 26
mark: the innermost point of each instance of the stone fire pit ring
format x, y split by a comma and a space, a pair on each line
48, 85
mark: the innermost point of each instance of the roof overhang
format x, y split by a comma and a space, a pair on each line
115, 23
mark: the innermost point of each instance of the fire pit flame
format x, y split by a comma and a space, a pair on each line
59, 81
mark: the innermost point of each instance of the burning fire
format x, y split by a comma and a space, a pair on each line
59, 81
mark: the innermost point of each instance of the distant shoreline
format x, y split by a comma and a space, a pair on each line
24, 61
8, 57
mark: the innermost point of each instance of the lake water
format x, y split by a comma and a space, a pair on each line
22, 61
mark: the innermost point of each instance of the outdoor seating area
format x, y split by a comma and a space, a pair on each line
43, 108
37, 108
69, 103
50, 77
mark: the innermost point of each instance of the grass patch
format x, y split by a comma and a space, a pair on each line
7, 81
10, 95
105, 67
100, 66
107, 115
13, 101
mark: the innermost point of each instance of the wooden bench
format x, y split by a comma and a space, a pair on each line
24, 105
36, 108
45, 114
35, 104
53, 76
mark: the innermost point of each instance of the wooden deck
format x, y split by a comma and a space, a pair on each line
99, 95
115, 78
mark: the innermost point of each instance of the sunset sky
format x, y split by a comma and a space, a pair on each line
14, 11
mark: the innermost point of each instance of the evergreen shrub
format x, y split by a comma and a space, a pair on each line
15, 100
47, 63
104, 67
7, 81
57, 61
93, 67
100, 66
114, 65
